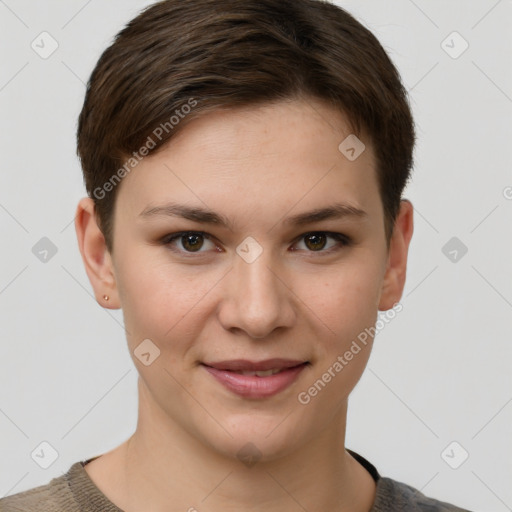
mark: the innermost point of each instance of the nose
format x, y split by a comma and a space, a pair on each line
257, 299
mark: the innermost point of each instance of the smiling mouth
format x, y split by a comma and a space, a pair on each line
256, 379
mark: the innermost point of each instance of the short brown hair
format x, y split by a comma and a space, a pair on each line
214, 54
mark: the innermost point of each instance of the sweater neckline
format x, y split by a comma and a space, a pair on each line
89, 497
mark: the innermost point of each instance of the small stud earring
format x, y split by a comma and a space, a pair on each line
106, 297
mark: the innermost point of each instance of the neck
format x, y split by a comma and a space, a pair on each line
162, 464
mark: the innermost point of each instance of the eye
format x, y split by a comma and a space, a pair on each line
317, 241
190, 241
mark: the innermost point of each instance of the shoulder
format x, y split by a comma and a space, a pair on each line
54, 496
393, 496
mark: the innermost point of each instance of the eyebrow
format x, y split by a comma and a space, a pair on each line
205, 216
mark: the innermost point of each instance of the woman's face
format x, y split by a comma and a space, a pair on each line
263, 285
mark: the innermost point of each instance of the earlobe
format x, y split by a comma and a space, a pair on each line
396, 269
95, 255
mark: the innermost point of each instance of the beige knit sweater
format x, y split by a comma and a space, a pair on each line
76, 492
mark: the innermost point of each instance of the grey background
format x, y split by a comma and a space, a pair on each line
439, 372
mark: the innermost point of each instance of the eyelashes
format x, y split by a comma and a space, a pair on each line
192, 242
191, 238
316, 236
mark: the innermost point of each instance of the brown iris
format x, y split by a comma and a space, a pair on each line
192, 242
315, 241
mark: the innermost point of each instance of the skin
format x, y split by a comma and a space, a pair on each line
255, 166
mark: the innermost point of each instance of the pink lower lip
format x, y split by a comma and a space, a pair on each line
252, 386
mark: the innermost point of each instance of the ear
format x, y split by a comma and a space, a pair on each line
394, 278
95, 255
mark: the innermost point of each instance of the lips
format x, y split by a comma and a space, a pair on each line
256, 379
242, 365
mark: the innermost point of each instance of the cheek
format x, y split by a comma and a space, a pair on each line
347, 303
345, 300
161, 301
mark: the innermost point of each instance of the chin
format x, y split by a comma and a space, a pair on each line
258, 437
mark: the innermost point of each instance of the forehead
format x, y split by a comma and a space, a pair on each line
277, 155
291, 128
